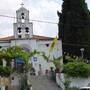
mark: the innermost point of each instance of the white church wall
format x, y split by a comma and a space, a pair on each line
79, 82
30, 44
42, 47
5, 45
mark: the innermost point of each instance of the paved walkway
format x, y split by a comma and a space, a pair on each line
43, 83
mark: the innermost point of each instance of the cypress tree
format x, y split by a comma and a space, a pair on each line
74, 27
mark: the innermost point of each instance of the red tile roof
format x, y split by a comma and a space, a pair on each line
7, 38
41, 37
34, 37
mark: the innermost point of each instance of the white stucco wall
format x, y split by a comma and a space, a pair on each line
41, 46
2, 87
30, 44
79, 82
5, 44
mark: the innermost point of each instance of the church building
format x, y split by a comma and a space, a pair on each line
23, 36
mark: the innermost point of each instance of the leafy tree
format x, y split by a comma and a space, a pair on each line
54, 60
74, 27
14, 51
4, 55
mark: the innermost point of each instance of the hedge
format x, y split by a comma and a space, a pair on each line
77, 69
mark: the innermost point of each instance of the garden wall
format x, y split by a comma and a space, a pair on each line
79, 82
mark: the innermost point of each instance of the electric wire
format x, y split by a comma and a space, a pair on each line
41, 21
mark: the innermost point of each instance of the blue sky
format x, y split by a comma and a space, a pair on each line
39, 10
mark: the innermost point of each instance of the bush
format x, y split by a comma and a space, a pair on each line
77, 69
67, 83
68, 59
5, 71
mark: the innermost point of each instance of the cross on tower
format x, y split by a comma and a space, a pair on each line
22, 4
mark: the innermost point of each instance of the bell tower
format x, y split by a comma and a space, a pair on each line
23, 29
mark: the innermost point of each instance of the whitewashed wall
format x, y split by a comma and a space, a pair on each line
30, 44
79, 82
2, 87
5, 44
41, 46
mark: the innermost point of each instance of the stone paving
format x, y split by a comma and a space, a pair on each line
43, 83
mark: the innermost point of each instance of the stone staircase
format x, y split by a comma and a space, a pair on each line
43, 83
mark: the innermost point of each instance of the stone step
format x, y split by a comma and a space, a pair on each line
43, 83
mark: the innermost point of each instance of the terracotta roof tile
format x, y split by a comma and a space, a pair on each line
37, 37
41, 37
7, 38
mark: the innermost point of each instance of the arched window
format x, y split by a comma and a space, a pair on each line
19, 36
22, 14
22, 17
27, 30
19, 29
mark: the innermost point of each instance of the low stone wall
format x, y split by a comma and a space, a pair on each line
4, 82
79, 82
60, 81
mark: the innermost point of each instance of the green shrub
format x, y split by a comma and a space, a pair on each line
77, 69
68, 59
67, 83
5, 71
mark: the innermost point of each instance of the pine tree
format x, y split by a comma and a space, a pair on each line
74, 26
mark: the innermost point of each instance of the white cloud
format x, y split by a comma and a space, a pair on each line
39, 10
7, 7
45, 10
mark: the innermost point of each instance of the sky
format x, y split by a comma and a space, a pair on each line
44, 10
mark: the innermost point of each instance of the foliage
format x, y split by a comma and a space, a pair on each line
5, 71
17, 51
46, 57
24, 85
14, 51
56, 61
73, 88
74, 27
68, 58
77, 69
67, 83
4, 55
32, 53
53, 44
